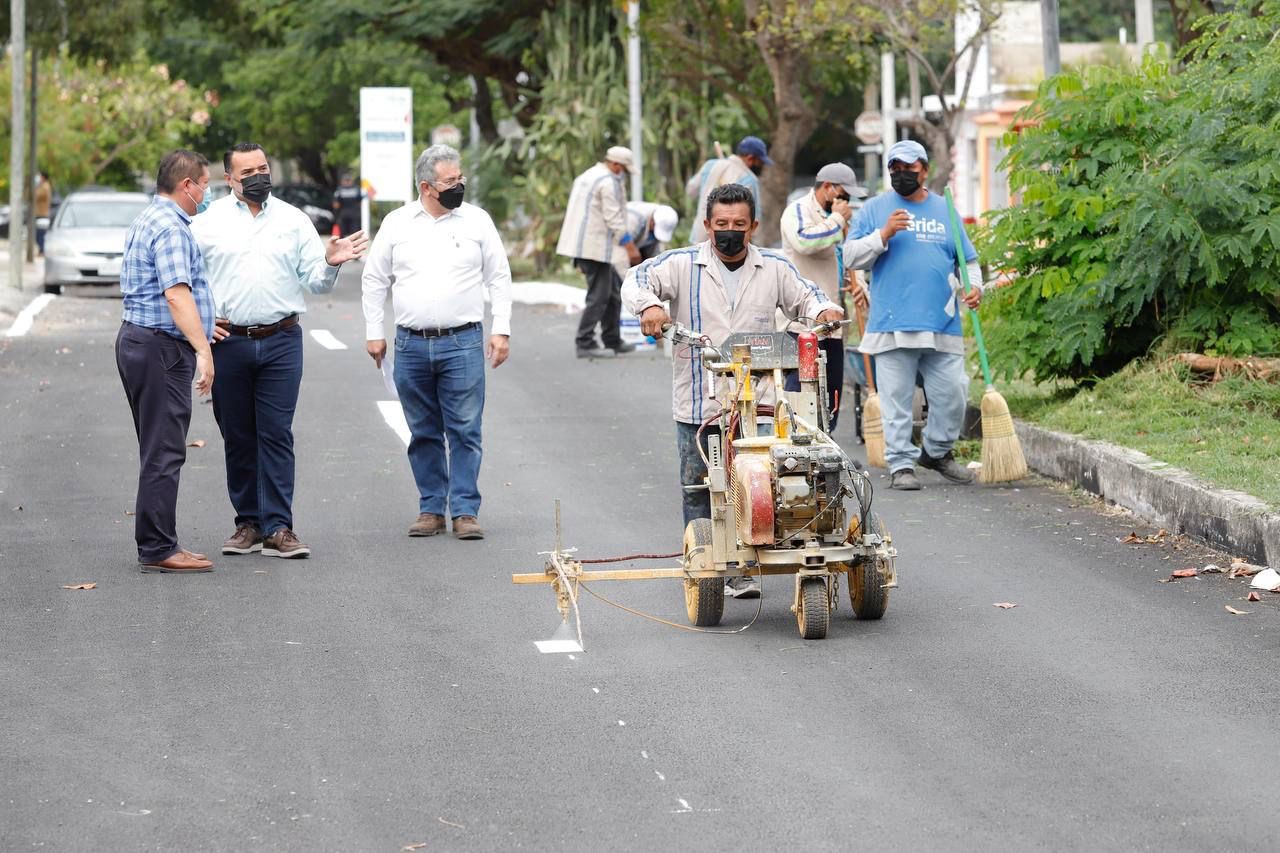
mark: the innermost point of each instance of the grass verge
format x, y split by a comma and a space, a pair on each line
1227, 433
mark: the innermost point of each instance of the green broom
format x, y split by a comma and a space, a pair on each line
1002, 457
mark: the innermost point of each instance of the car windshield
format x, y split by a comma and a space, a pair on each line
99, 214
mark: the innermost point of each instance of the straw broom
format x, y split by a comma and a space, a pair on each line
1002, 457
872, 427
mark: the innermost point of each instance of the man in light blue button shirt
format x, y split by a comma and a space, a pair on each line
262, 255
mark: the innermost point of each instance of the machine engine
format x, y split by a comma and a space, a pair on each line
794, 487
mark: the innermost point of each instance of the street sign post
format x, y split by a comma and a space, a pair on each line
386, 145
869, 127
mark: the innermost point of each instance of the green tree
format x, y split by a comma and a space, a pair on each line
1150, 209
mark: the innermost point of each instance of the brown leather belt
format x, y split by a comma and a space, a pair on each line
260, 331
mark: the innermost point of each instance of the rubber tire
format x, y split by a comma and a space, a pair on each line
867, 597
814, 613
703, 597
52, 288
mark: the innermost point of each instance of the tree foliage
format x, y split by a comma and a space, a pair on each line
1149, 209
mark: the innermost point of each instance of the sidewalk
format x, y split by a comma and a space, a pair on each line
12, 301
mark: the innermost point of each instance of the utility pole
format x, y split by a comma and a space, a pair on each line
1145, 20
633, 89
888, 102
17, 139
1049, 34
35, 166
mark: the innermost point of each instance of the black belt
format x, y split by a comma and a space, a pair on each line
262, 330
439, 333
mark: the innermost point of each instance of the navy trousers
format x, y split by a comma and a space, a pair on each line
255, 392
156, 370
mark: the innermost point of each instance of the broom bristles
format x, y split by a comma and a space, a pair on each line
873, 432
1002, 457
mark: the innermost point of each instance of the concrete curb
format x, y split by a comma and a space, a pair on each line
1166, 496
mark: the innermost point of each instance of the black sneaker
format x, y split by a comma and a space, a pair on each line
622, 348
595, 352
904, 480
947, 466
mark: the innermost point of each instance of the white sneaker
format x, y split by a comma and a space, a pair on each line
742, 587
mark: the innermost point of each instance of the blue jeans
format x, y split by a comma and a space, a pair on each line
946, 387
441, 386
255, 392
693, 471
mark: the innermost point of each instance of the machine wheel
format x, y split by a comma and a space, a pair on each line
866, 595
814, 614
703, 597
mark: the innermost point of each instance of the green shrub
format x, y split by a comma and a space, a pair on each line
1149, 209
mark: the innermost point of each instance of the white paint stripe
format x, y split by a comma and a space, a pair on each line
22, 324
394, 416
326, 339
557, 647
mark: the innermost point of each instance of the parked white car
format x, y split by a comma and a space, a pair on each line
85, 243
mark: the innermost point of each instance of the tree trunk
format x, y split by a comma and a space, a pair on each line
794, 122
483, 103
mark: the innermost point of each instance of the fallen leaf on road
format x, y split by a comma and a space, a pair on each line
1235, 612
79, 586
1241, 569
1253, 595
417, 846
1004, 605
1212, 569
1185, 573
1152, 539
450, 823
199, 442
129, 512
18, 508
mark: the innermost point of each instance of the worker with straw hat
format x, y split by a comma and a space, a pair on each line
914, 327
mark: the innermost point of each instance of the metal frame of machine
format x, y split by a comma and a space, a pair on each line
778, 501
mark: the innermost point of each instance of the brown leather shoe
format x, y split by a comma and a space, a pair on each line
194, 554
427, 524
283, 543
246, 540
182, 562
466, 527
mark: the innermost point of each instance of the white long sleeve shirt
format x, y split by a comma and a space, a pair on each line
260, 267
438, 271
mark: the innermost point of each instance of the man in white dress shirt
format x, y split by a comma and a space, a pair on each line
262, 256
438, 255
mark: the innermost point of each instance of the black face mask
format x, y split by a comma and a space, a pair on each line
452, 197
730, 243
256, 188
756, 167
905, 183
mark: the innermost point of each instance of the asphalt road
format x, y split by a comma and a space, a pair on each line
387, 691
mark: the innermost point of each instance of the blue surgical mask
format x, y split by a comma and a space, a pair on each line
203, 204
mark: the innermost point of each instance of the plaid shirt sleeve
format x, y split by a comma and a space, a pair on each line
171, 251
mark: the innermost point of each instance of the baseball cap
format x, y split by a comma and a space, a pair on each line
839, 173
907, 151
620, 155
664, 222
755, 146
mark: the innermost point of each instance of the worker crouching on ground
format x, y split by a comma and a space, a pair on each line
720, 286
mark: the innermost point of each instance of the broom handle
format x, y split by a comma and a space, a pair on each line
964, 278
862, 330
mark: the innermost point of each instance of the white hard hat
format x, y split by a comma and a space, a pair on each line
664, 222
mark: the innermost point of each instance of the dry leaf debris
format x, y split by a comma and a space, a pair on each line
1005, 605
79, 586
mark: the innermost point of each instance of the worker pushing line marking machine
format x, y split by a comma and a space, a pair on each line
788, 502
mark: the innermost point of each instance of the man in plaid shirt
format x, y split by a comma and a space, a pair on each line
163, 343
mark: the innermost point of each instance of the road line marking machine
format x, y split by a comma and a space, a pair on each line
785, 502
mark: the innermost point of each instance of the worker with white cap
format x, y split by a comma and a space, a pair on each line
596, 237
651, 225
813, 228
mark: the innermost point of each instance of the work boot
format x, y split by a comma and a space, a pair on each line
284, 543
948, 467
246, 540
742, 587
466, 527
622, 348
428, 524
904, 480
595, 352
